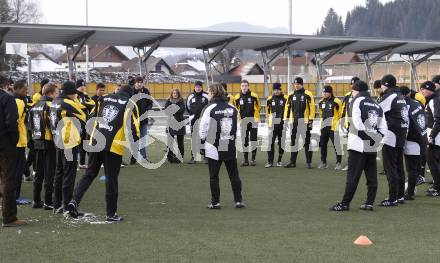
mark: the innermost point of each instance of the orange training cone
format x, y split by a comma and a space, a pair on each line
363, 241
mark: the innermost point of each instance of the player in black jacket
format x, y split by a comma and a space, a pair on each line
218, 126
432, 110
195, 103
416, 141
8, 154
395, 109
275, 106
174, 109
119, 119
367, 127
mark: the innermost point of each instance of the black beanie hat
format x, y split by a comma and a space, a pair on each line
276, 86
377, 84
389, 81
198, 83
360, 86
436, 79
44, 82
68, 88
429, 85
354, 80
139, 79
405, 90
299, 80
80, 83
328, 89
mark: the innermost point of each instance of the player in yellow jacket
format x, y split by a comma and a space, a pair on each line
20, 93
300, 113
275, 106
329, 109
248, 106
67, 119
118, 115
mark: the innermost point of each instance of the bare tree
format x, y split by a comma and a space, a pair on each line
24, 11
224, 61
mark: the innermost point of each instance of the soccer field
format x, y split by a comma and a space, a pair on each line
286, 220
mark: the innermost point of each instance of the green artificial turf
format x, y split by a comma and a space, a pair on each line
286, 220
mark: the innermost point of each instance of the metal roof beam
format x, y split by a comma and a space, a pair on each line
332, 47
223, 42
421, 51
82, 38
379, 49
3, 33
278, 45
152, 41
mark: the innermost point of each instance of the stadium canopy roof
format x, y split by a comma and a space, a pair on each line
137, 37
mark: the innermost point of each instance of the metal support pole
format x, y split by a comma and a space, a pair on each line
318, 73
413, 62
29, 75
289, 70
265, 72
70, 63
207, 68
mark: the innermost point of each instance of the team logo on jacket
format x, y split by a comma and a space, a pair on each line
421, 121
405, 117
109, 113
53, 119
373, 118
37, 125
226, 128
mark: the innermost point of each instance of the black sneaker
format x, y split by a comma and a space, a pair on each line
338, 207
114, 218
58, 210
72, 209
192, 161
431, 189
420, 180
253, 163
290, 165
240, 205
309, 166
244, 164
389, 203
401, 201
37, 205
409, 197
214, 206
366, 207
382, 173
47, 207
268, 165
433, 194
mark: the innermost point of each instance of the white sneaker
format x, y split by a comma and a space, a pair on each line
345, 168
279, 164
338, 167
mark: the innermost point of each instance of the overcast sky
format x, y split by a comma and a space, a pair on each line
187, 14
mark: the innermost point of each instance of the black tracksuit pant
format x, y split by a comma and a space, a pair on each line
82, 155
394, 169
8, 184
326, 135
65, 176
231, 167
249, 137
45, 171
357, 163
180, 145
300, 131
19, 169
112, 165
275, 133
433, 158
30, 159
413, 168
